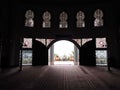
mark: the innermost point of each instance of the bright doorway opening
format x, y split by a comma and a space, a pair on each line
63, 52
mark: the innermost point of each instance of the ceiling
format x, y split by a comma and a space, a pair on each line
65, 1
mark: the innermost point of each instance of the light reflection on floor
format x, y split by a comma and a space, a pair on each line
63, 63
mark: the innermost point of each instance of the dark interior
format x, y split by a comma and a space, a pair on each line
13, 29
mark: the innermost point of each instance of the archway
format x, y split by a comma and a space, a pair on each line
63, 52
43, 51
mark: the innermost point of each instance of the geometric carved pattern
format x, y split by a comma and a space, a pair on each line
46, 19
63, 20
80, 19
98, 15
101, 43
29, 18
27, 42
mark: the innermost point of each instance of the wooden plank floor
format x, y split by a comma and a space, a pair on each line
60, 77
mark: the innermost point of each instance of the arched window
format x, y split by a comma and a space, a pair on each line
63, 20
46, 20
98, 14
29, 22
80, 19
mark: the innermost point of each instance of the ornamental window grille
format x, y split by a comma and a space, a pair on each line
80, 19
29, 22
98, 15
27, 43
101, 43
46, 20
63, 20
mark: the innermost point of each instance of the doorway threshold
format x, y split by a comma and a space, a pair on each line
63, 62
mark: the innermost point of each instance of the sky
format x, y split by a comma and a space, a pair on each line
63, 47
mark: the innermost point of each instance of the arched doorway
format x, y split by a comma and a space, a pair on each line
84, 51
63, 52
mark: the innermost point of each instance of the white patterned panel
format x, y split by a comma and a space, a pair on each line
41, 40
86, 40
49, 41
78, 41
101, 43
27, 43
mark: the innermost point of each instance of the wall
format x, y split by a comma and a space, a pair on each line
17, 30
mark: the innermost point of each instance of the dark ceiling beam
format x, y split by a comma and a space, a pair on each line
62, 2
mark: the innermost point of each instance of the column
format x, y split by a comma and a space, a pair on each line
76, 55
51, 55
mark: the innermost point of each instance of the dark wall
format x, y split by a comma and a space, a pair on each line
4, 36
0, 49
40, 54
55, 10
119, 44
15, 24
87, 54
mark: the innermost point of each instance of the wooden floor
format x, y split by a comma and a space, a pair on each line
60, 77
